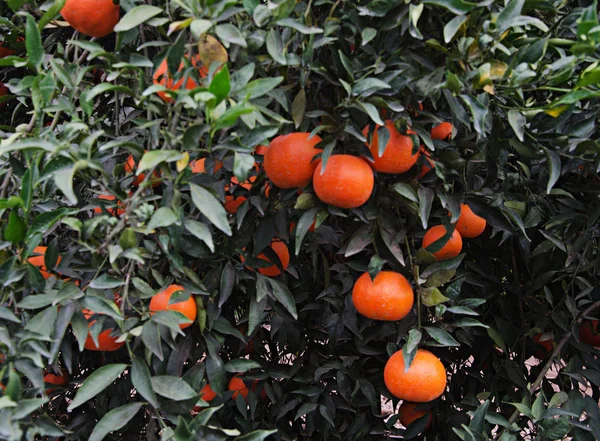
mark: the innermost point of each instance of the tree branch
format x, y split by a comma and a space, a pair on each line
538, 381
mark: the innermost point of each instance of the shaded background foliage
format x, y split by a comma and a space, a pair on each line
518, 81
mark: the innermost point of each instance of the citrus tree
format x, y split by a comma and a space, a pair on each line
299, 220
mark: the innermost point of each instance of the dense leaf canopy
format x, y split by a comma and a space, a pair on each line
134, 182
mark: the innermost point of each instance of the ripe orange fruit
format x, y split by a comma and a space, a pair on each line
388, 297
237, 385
346, 183
398, 156
589, 333
545, 347
162, 77
469, 225
114, 211
160, 302
408, 413
424, 381
39, 260
131, 166
94, 18
105, 342
207, 393
428, 164
452, 247
289, 161
282, 252
232, 203
199, 166
441, 131
57, 380
261, 150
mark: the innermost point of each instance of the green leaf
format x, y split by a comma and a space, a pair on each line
15, 5
33, 43
199, 27
51, 14
304, 223
303, 29
406, 191
163, 217
114, 420
441, 336
371, 110
479, 112
459, 7
275, 47
106, 282
99, 380
554, 167
538, 406
448, 264
241, 365
410, 348
298, 108
257, 435
137, 16
306, 408
140, 377
172, 388
517, 121
369, 84
229, 33
231, 116
558, 399
201, 231
152, 158
478, 419
64, 181
468, 323
284, 296
440, 278
259, 88
367, 35
45, 221
210, 207
508, 15
16, 228
452, 27
220, 85
432, 296
425, 202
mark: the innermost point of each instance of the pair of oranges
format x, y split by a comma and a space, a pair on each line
236, 385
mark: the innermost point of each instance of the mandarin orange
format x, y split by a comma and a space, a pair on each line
94, 18
389, 297
424, 381
289, 160
398, 156
161, 302
346, 183
469, 225
452, 247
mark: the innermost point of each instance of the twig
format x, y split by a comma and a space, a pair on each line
5, 182
128, 211
538, 381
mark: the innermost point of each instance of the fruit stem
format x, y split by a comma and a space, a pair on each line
416, 276
415, 271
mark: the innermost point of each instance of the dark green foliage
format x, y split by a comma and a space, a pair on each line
518, 80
